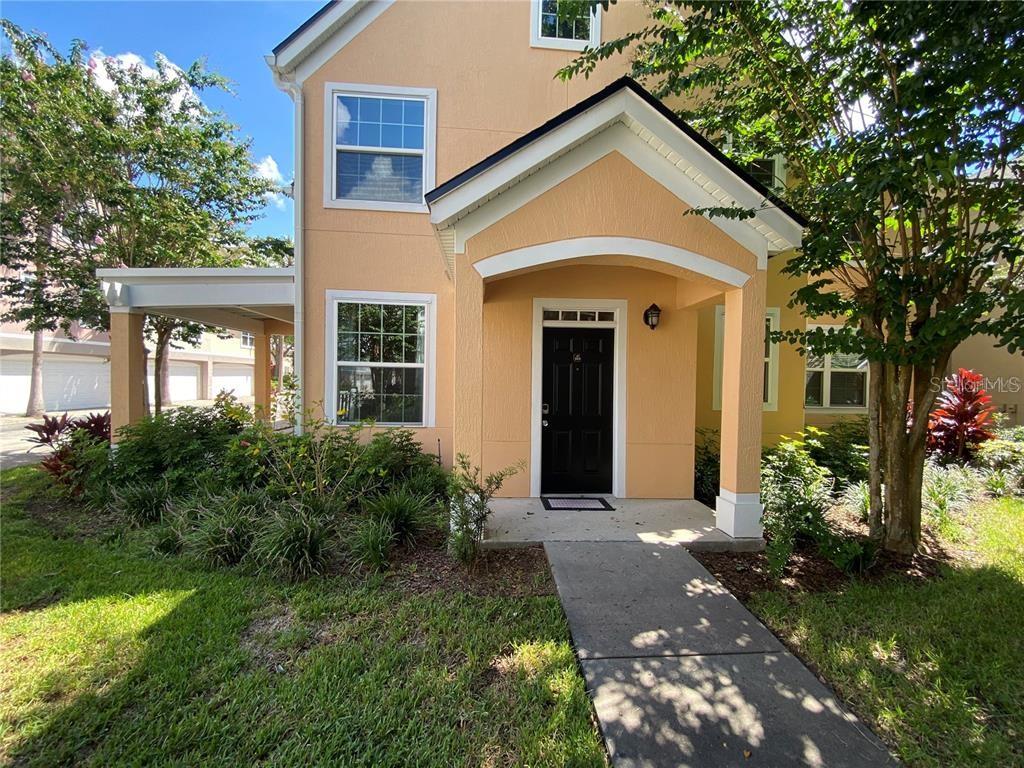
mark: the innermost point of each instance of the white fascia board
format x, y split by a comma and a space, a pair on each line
207, 274
457, 202
336, 29
781, 232
580, 247
316, 33
210, 295
732, 185
615, 138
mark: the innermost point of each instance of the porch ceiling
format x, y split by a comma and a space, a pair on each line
253, 300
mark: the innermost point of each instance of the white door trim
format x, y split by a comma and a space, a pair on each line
620, 307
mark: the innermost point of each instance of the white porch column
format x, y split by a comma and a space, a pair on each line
738, 507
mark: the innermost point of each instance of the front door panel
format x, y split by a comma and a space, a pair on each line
576, 434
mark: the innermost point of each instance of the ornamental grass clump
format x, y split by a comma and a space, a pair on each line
295, 540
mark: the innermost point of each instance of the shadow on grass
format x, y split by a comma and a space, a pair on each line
115, 659
936, 666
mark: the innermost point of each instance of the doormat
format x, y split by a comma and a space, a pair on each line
577, 503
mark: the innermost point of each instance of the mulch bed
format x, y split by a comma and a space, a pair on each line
427, 567
746, 573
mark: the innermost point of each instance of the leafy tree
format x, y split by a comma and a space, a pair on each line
902, 126
185, 186
51, 116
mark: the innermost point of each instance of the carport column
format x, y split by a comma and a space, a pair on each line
261, 376
738, 507
469, 305
127, 368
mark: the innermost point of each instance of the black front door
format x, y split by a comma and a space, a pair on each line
576, 431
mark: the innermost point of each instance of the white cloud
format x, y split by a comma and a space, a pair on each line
100, 65
266, 168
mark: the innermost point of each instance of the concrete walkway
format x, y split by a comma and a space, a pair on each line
682, 674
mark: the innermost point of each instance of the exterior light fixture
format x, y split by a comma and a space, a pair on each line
652, 316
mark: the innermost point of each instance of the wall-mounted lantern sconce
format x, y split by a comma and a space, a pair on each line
652, 316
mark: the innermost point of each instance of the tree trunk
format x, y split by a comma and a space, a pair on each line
36, 405
902, 391
161, 366
876, 520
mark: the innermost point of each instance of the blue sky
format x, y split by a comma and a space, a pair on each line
232, 36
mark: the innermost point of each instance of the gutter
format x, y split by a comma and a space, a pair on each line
288, 84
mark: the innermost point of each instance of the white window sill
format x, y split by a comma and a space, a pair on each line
836, 408
375, 205
558, 44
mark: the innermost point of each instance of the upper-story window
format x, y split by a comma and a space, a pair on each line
566, 24
248, 340
380, 147
770, 171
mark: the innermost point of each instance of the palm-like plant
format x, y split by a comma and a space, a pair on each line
962, 416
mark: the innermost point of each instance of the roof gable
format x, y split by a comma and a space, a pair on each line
322, 35
626, 118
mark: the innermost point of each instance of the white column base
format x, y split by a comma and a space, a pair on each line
739, 514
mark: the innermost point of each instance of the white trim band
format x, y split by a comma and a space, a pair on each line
579, 247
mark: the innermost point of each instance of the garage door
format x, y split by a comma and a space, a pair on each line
232, 378
70, 382
184, 381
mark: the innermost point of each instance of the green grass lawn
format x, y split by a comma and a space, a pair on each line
937, 667
109, 655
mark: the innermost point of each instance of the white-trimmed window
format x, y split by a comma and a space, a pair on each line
770, 171
379, 146
248, 341
380, 353
836, 381
569, 25
770, 396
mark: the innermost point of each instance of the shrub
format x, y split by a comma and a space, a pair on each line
176, 445
947, 491
79, 449
295, 540
1002, 458
429, 480
795, 492
224, 530
471, 496
706, 467
962, 418
371, 543
142, 503
842, 449
402, 509
856, 498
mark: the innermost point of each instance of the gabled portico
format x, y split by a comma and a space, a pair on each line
560, 241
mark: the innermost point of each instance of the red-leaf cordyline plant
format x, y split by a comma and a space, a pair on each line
961, 419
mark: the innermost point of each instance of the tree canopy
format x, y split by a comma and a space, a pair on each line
902, 128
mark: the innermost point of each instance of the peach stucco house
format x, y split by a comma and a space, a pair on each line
483, 251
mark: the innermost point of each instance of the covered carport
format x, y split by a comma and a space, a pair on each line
259, 301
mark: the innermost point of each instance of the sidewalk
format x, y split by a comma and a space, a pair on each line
682, 674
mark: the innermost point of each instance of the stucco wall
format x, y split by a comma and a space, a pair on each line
659, 380
491, 88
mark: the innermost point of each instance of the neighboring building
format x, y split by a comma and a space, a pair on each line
76, 369
502, 262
